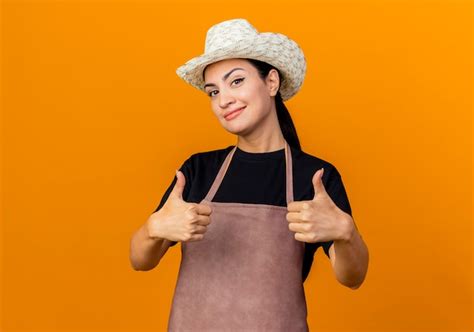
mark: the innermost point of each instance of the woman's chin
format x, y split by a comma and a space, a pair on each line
238, 130
237, 126
233, 131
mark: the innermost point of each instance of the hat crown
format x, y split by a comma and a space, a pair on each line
227, 33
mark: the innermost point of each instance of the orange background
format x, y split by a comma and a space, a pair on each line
95, 121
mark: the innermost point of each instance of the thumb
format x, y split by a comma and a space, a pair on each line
318, 182
179, 185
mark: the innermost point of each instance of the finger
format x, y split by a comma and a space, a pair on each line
297, 227
298, 206
302, 237
318, 183
196, 237
293, 217
179, 185
202, 220
204, 209
200, 229
192, 209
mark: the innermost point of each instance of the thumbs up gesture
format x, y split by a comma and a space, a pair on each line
319, 219
178, 220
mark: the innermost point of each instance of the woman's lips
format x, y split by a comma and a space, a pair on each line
234, 114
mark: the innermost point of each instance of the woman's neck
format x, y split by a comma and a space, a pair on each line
262, 143
266, 136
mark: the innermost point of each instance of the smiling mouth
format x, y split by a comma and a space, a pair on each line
237, 110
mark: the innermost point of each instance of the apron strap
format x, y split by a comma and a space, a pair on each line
225, 165
220, 176
289, 174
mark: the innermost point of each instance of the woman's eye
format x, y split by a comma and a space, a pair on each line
238, 79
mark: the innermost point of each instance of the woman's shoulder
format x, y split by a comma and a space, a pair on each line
307, 162
308, 158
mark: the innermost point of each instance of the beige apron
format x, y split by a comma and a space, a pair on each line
246, 273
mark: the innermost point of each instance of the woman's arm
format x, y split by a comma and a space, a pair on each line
352, 260
146, 251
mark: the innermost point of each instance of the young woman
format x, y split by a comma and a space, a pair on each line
250, 216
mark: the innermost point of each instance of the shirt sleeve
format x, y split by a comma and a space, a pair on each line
187, 171
337, 192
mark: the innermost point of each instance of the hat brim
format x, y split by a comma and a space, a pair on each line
273, 48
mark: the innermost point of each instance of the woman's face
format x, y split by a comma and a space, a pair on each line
234, 83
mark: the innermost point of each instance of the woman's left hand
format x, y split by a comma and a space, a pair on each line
319, 219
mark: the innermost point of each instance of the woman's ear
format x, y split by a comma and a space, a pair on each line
273, 82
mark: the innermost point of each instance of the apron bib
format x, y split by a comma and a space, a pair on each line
246, 273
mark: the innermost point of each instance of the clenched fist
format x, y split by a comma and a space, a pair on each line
178, 220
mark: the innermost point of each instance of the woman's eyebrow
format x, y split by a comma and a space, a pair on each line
224, 77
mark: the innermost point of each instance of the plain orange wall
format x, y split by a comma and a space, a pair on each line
95, 121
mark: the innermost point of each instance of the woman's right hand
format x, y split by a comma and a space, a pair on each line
178, 220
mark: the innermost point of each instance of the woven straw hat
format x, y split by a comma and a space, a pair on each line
237, 38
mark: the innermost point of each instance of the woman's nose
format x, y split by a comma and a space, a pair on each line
225, 99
